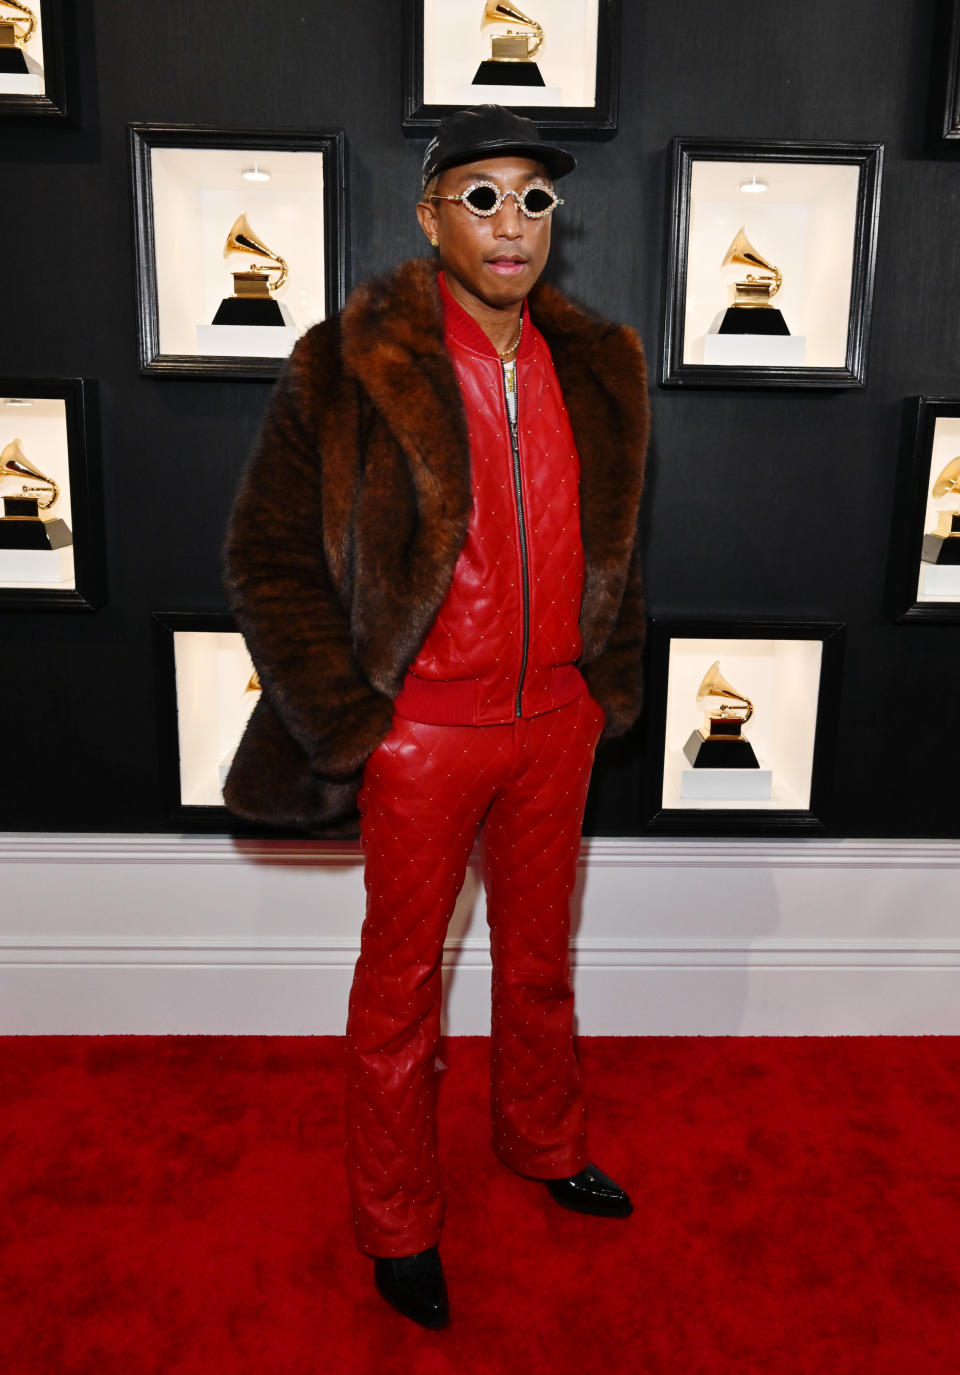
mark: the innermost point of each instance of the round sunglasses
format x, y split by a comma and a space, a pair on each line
484, 198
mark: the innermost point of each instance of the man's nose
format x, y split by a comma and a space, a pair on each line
509, 218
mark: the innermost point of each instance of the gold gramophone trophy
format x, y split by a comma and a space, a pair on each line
252, 301
722, 745
511, 51
16, 30
942, 544
749, 310
22, 526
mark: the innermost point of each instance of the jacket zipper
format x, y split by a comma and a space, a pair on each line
510, 385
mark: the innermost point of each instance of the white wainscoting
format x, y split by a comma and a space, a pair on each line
187, 934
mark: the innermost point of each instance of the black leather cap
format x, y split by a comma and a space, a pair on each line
487, 131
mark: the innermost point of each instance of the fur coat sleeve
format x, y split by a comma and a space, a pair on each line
301, 758
351, 515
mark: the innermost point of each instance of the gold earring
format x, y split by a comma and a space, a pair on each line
434, 243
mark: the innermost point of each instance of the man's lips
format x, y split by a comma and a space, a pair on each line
508, 265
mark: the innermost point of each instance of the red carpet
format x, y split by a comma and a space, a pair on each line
174, 1206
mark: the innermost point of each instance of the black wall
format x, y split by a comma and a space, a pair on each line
799, 527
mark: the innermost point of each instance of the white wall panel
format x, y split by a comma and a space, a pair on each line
174, 934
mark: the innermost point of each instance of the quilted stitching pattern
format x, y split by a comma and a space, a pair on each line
426, 791
478, 632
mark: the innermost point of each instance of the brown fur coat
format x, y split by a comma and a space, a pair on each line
352, 512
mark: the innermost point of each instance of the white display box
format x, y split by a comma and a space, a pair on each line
40, 423
804, 223
258, 341
728, 785
940, 582
782, 679
454, 46
213, 670
197, 194
548, 96
755, 350
37, 567
31, 82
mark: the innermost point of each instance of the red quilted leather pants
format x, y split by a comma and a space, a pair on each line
426, 791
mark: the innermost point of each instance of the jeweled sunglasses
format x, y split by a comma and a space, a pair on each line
484, 198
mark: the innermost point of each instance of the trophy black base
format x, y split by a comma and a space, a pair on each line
239, 310
13, 62
753, 320
720, 754
942, 549
26, 533
492, 73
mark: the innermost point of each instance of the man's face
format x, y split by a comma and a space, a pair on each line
495, 259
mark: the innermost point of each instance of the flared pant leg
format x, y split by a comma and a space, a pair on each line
425, 791
531, 844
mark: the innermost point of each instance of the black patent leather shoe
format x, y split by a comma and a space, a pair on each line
591, 1191
415, 1286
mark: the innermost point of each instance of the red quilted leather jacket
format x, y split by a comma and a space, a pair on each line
505, 638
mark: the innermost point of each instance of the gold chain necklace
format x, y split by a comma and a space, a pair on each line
516, 342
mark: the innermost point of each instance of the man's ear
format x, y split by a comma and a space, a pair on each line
429, 223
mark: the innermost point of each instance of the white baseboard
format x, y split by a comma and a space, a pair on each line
207, 935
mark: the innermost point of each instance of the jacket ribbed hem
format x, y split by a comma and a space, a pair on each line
457, 703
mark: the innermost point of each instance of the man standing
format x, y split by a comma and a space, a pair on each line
433, 558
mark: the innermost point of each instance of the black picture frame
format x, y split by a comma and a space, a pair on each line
166, 625
143, 139
745, 820
598, 121
868, 158
56, 102
921, 415
945, 86
80, 398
